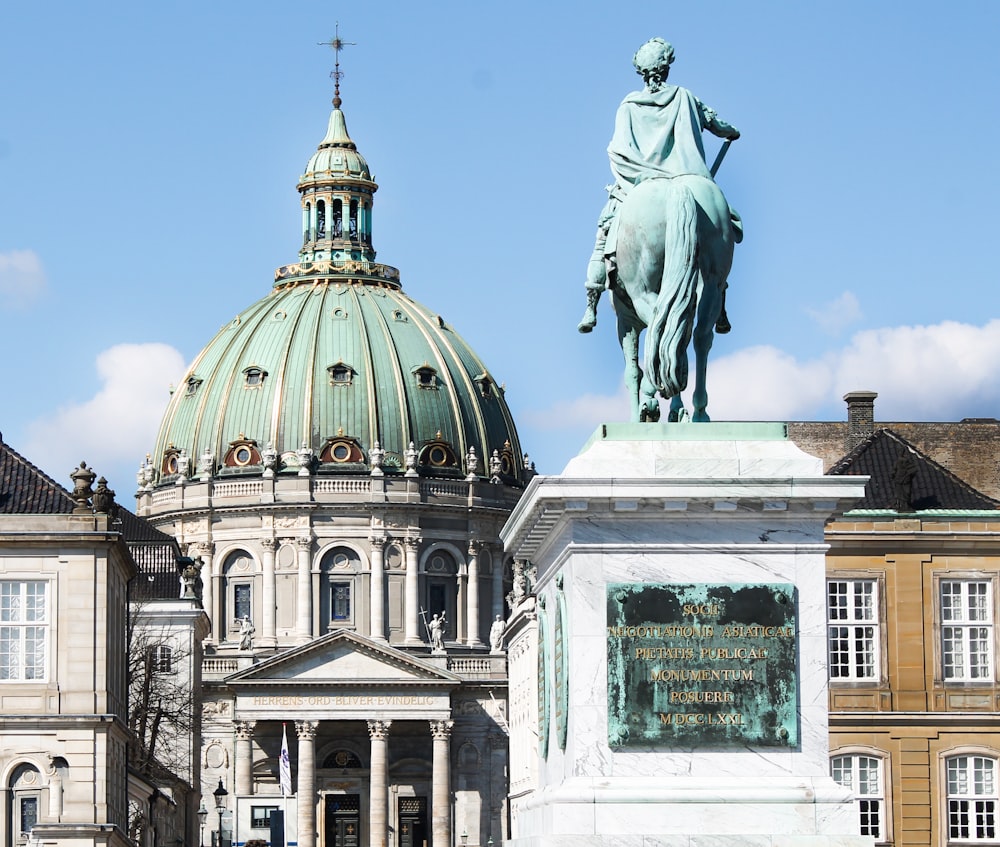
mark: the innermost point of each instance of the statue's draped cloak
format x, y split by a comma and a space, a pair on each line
657, 134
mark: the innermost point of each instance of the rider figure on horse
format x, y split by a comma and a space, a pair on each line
657, 134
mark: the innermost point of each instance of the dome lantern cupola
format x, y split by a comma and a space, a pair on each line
336, 191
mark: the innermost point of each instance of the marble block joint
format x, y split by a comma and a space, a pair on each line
684, 566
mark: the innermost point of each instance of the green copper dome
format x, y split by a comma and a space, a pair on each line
336, 369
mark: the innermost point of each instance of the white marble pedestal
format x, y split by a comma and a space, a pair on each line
676, 503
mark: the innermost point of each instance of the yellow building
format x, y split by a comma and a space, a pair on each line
913, 573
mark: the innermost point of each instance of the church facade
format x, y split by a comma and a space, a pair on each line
341, 463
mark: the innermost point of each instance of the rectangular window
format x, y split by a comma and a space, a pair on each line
972, 798
852, 629
340, 601
260, 816
967, 630
160, 658
28, 813
241, 601
863, 775
24, 621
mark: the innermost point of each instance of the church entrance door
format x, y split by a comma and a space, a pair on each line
412, 822
342, 820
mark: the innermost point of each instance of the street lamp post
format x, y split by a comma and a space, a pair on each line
220, 795
202, 817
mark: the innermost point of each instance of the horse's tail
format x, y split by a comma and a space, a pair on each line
674, 312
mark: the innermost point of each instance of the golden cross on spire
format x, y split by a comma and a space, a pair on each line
338, 44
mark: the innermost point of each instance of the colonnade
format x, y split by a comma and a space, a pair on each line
378, 804
468, 592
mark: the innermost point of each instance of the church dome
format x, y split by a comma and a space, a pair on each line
336, 369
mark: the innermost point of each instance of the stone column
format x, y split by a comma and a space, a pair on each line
305, 789
441, 784
303, 619
411, 608
268, 637
472, 596
377, 589
378, 802
203, 550
244, 757
497, 605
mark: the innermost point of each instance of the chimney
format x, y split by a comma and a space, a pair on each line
860, 417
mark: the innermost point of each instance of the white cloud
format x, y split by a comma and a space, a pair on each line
942, 372
113, 430
834, 317
22, 278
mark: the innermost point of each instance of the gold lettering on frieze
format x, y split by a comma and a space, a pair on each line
343, 700
715, 653
702, 718
701, 697
701, 675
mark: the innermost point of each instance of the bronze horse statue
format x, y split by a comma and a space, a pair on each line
674, 250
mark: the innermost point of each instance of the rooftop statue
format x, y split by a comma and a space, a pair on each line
665, 238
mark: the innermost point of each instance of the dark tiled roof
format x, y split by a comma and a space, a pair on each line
932, 487
26, 490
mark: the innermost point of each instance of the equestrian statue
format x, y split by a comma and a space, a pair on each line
665, 239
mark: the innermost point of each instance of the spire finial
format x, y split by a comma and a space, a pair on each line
338, 44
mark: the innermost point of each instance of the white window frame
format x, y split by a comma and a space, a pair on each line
870, 800
858, 617
161, 658
966, 629
972, 802
18, 623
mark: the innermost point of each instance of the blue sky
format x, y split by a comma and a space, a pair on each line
149, 155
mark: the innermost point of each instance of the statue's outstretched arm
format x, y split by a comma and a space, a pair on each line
715, 125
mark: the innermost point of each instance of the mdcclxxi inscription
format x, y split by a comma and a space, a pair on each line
702, 665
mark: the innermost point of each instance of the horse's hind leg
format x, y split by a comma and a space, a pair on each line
708, 312
628, 338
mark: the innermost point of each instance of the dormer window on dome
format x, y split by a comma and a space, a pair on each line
438, 454
426, 377
254, 377
193, 383
485, 385
242, 453
341, 449
168, 467
341, 374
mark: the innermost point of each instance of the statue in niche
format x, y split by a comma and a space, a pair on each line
496, 634
247, 630
437, 628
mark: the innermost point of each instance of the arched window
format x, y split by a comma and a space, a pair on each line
26, 802
342, 759
440, 574
972, 798
337, 224
353, 223
864, 777
239, 572
321, 219
339, 567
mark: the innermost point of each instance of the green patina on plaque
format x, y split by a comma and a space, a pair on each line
560, 662
543, 680
702, 665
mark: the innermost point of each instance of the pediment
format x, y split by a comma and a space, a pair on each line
343, 658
